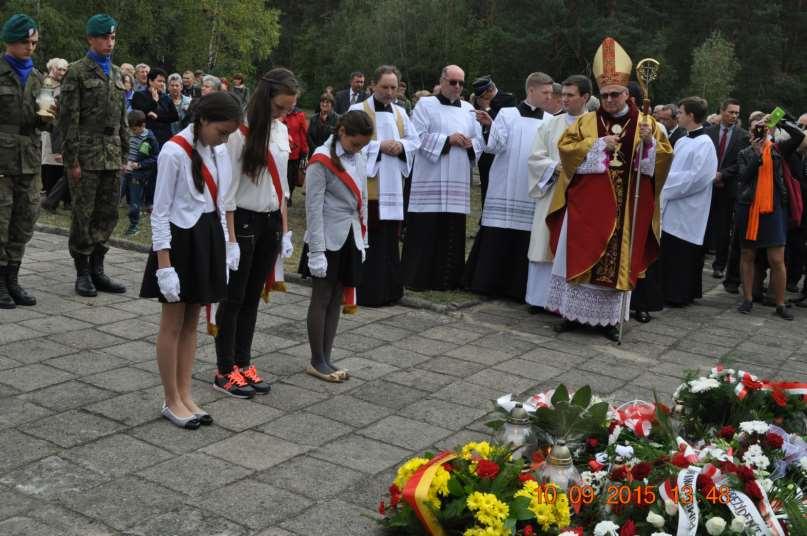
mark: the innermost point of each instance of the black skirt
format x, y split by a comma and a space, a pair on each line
199, 257
344, 266
498, 263
772, 231
381, 281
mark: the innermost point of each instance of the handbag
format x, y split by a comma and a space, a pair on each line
795, 203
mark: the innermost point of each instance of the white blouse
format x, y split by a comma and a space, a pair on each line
176, 199
260, 196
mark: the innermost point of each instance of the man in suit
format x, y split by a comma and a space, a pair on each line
489, 99
729, 140
666, 115
355, 93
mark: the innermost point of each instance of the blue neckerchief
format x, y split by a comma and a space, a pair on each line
22, 67
105, 62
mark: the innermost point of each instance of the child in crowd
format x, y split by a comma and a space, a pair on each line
141, 164
188, 265
336, 216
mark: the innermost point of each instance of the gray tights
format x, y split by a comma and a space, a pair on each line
323, 319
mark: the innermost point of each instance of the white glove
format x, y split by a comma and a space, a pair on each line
168, 281
318, 264
288, 247
233, 255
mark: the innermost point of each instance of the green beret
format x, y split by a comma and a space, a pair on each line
101, 24
18, 28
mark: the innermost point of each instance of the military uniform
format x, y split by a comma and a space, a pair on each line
20, 181
92, 121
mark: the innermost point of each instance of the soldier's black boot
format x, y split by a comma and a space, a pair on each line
17, 293
102, 281
84, 286
6, 302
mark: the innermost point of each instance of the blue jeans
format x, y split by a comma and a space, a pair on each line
134, 194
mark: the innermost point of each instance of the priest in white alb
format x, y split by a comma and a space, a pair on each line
685, 201
439, 201
544, 167
497, 265
390, 155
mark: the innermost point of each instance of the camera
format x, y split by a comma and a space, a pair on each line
759, 132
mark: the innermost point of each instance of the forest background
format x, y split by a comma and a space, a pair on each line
750, 49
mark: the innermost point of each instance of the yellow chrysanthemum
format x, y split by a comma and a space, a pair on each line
481, 449
487, 508
487, 531
549, 509
408, 469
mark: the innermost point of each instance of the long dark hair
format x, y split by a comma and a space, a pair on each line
356, 123
214, 108
278, 81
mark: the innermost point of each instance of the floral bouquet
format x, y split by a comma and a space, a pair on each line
477, 490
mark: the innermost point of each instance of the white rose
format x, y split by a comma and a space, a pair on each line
606, 528
766, 483
655, 519
670, 507
738, 524
625, 451
703, 384
715, 526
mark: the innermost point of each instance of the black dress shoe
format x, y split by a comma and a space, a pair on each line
534, 309
643, 317
718, 274
564, 326
611, 333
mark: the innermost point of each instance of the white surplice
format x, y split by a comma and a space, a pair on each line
687, 193
441, 182
508, 204
542, 163
389, 170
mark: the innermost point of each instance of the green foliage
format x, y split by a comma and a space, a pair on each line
571, 420
324, 40
714, 69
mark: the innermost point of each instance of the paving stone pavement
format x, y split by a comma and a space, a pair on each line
83, 450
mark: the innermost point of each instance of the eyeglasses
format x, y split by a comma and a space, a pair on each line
460, 83
611, 95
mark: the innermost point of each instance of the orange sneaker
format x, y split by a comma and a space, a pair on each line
255, 381
234, 384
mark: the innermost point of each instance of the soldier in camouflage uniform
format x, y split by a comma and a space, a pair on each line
20, 153
92, 120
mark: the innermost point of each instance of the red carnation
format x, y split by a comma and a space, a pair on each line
752, 490
448, 467
641, 470
618, 473
679, 460
594, 465
381, 508
592, 443
774, 441
528, 530
524, 477
628, 528
487, 469
744, 472
727, 432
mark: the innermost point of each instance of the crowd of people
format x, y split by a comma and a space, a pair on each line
592, 206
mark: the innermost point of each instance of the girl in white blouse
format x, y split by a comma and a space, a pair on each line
256, 209
187, 267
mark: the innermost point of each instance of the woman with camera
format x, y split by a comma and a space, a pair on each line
762, 208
